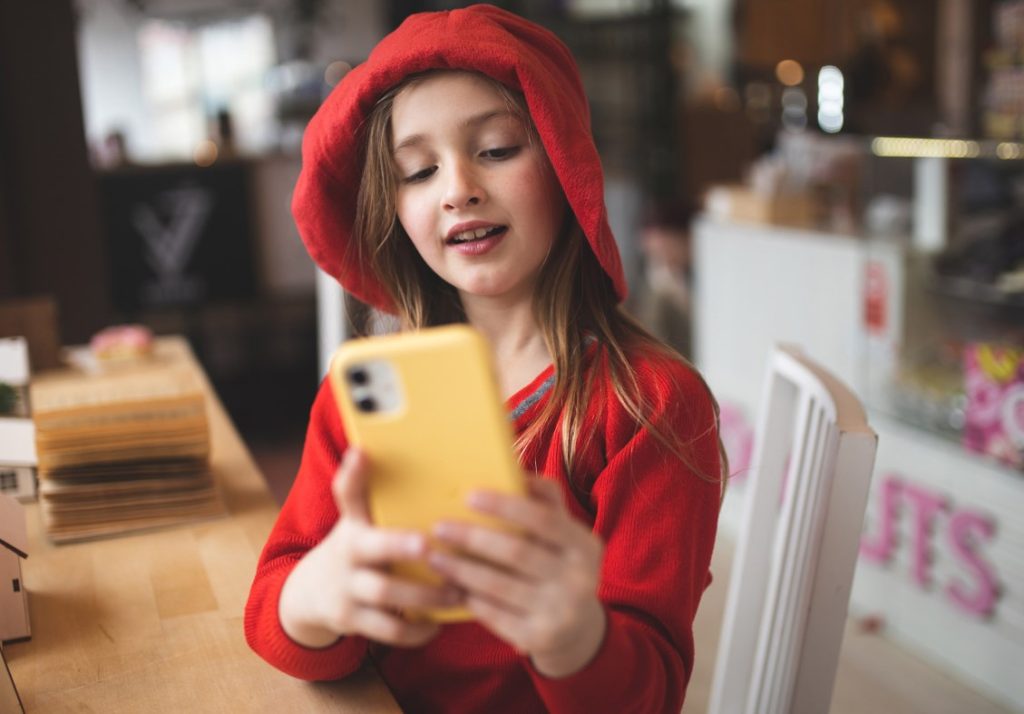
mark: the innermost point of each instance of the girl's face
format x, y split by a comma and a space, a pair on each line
478, 199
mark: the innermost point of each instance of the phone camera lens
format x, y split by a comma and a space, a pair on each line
358, 376
367, 404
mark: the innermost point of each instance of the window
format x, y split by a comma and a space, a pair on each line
8, 481
190, 74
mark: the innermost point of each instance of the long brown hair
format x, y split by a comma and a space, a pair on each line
574, 300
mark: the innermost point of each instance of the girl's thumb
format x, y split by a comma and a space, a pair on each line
349, 487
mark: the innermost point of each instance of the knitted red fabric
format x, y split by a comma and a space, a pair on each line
655, 516
521, 55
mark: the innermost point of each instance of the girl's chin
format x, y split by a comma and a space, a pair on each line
493, 290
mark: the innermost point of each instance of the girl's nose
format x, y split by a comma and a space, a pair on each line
462, 188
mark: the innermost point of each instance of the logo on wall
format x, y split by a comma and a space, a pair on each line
179, 236
168, 245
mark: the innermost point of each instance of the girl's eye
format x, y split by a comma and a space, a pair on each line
420, 175
504, 152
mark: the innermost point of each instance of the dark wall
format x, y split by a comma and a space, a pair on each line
50, 237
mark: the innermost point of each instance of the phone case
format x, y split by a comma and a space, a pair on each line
436, 430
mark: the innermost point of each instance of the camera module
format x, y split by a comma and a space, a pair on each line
358, 376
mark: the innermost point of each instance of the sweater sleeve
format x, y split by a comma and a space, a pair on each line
657, 515
305, 519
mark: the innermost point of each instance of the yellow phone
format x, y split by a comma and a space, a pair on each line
426, 409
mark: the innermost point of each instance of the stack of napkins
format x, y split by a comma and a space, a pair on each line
122, 450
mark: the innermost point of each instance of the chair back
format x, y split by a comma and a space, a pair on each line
797, 547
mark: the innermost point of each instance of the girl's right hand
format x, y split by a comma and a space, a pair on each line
342, 587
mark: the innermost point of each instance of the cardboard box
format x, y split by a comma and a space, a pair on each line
739, 203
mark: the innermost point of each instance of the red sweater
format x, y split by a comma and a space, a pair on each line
656, 517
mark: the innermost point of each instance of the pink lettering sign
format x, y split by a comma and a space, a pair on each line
879, 547
966, 529
926, 505
965, 532
737, 437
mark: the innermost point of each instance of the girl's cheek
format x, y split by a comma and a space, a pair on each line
409, 215
421, 222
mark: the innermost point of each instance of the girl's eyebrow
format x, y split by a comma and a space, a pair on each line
473, 121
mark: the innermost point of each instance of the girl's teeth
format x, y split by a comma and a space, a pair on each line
472, 235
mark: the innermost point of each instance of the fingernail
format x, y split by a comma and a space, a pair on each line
414, 544
444, 530
480, 499
440, 561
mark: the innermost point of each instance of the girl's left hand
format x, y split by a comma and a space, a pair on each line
535, 588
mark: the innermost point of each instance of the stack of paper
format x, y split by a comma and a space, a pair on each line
122, 450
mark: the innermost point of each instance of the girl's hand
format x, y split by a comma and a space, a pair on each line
536, 588
342, 587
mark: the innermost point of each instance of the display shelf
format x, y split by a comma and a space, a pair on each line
974, 291
941, 421
957, 294
942, 414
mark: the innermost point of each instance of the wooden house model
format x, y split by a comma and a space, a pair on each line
17, 432
14, 621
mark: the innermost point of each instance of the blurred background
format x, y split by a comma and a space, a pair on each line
845, 174
125, 121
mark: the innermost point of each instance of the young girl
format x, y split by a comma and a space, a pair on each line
452, 178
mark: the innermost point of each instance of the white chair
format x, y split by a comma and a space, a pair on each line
797, 547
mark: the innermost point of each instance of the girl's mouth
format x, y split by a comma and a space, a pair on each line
477, 242
472, 236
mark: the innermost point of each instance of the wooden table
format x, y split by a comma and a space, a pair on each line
153, 622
